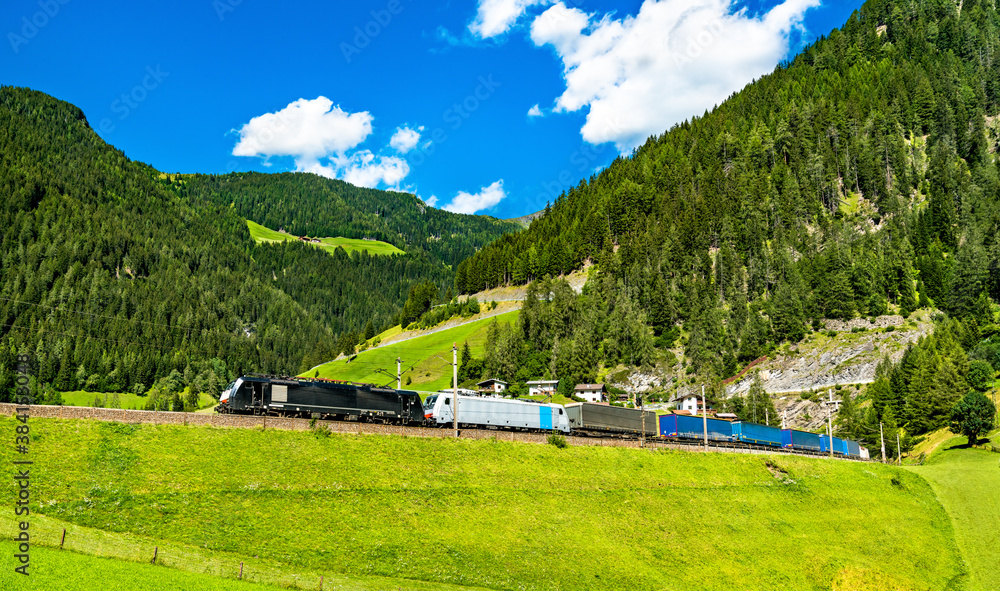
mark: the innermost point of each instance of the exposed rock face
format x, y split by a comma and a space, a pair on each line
805, 415
812, 368
822, 361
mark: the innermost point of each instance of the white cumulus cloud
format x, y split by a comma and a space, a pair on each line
534, 112
306, 130
365, 169
405, 139
486, 198
641, 74
496, 17
432, 201
324, 139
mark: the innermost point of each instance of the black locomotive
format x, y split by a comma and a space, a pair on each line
296, 397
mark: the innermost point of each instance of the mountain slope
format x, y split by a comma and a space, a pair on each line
309, 205
860, 179
114, 275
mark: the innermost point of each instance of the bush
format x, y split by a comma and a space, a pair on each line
318, 429
980, 375
557, 440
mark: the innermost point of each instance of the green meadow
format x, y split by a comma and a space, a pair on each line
69, 571
429, 356
375, 247
428, 513
125, 400
967, 482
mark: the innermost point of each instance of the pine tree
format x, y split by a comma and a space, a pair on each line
788, 316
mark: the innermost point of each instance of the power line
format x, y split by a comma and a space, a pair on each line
98, 315
75, 336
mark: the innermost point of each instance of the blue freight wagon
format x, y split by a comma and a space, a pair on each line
839, 445
791, 438
688, 427
759, 434
853, 449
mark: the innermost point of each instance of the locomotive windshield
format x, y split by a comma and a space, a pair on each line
429, 403
230, 390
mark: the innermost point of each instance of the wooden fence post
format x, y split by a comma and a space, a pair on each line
63, 541
241, 570
321, 583
156, 550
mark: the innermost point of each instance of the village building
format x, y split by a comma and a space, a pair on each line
691, 403
542, 387
591, 392
493, 386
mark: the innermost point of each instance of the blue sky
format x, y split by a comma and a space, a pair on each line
493, 106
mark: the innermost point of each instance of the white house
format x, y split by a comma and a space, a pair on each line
494, 385
690, 403
590, 392
542, 387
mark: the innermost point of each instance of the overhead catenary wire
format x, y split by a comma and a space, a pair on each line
76, 336
92, 314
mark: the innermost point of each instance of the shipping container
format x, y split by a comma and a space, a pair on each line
754, 433
603, 418
791, 438
853, 448
688, 427
839, 445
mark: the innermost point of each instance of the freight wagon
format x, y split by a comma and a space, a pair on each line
293, 397
497, 413
601, 419
839, 445
688, 427
758, 434
791, 438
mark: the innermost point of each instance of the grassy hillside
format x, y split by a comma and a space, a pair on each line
306, 204
429, 356
494, 514
125, 399
374, 247
967, 482
69, 571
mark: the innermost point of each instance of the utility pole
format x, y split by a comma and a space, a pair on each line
899, 451
829, 426
704, 416
399, 374
642, 411
881, 436
454, 366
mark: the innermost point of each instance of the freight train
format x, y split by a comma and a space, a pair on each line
345, 401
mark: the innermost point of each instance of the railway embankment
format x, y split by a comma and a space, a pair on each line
151, 417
